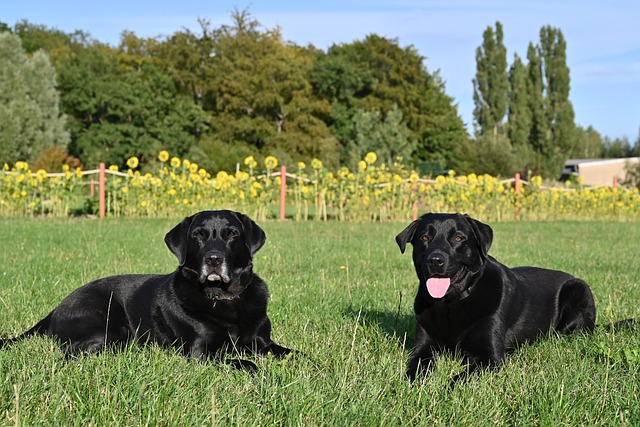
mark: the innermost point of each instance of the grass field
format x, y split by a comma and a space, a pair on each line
341, 293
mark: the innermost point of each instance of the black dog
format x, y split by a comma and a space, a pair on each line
469, 302
211, 304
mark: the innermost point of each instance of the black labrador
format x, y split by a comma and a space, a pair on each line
213, 303
469, 302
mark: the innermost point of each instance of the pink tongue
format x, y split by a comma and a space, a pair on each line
437, 286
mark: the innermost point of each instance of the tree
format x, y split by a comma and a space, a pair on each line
519, 114
636, 147
339, 79
260, 94
589, 144
118, 109
377, 75
56, 43
386, 135
30, 120
560, 125
491, 84
538, 138
617, 148
187, 57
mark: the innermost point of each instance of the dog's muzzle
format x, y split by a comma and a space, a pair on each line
215, 268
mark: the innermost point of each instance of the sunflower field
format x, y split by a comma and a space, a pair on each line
372, 192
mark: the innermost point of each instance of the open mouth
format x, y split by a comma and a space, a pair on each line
437, 286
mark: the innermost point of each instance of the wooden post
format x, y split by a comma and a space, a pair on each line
283, 191
92, 190
517, 188
615, 182
101, 189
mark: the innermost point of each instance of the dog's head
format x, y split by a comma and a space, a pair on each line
447, 250
216, 248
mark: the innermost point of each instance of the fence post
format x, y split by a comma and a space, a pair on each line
101, 189
283, 191
615, 182
517, 188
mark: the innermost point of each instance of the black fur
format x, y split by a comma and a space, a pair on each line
211, 304
488, 308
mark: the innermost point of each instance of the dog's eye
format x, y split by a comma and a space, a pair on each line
199, 234
458, 239
232, 232
425, 238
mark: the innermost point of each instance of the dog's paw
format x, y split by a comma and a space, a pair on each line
243, 365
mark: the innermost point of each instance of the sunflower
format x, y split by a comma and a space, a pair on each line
133, 162
175, 162
370, 157
251, 162
316, 164
41, 174
271, 162
163, 156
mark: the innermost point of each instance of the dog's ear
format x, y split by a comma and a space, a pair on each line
406, 235
483, 234
254, 235
177, 239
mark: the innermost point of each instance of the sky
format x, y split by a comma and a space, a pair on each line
603, 37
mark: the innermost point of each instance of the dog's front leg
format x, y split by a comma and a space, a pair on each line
482, 349
276, 350
263, 344
421, 360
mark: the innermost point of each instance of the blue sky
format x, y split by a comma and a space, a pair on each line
603, 39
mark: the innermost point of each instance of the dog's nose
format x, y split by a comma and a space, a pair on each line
435, 261
214, 258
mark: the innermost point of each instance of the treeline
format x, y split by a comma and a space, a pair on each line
225, 92
524, 120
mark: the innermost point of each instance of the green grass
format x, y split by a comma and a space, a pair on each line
342, 294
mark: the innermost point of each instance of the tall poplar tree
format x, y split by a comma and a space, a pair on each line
538, 138
491, 84
561, 129
519, 114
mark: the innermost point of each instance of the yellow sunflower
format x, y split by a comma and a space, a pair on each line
271, 162
133, 162
163, 156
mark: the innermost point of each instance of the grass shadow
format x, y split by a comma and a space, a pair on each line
397, 326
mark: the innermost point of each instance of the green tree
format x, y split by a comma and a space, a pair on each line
636, 147
119, 108
187, 57
491, 84
519, 115
539, 140
617, 148
589, 144
56, 43
497, 156
386, 135
376, 74
260, 94
560, 125
340, 80
30, 120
